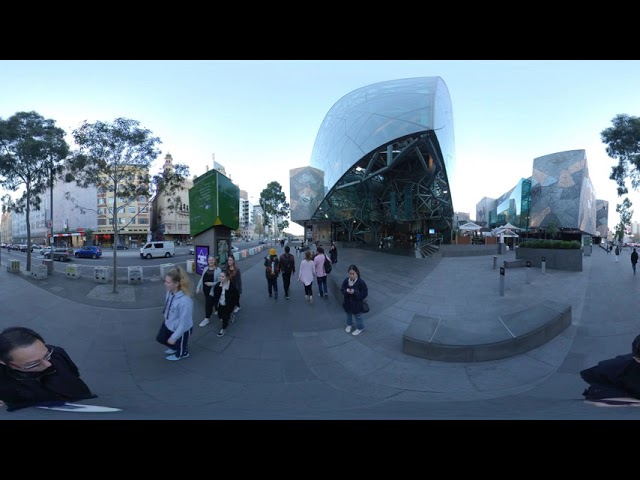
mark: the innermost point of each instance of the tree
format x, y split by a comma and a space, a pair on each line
553, 228
626, 214
116, 157
623, 144
32, 150
274, 204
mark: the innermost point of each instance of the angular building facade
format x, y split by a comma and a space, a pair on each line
559, 192
380, 166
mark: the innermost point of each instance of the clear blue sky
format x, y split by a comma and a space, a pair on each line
261, 117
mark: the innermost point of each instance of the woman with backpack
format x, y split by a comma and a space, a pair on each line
321, 273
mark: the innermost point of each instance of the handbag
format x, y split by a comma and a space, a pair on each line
365, 306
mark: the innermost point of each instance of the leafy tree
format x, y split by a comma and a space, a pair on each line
274, 204
623, 144
117, 157
553, 228
32, 149
626, 214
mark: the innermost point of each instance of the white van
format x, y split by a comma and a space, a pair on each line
158, 249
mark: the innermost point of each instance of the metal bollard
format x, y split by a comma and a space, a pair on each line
495, 261
544, 264
502, 281
527, 275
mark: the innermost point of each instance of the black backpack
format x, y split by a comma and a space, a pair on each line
285, 263
327, 265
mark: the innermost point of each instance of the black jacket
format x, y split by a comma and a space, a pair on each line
59, 383
231, 296
615, 377
353, 301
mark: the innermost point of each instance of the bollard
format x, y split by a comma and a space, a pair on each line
495, 261
544, 264
527, 275
49, 265
502, 281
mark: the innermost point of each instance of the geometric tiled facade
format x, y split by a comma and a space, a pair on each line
562, 192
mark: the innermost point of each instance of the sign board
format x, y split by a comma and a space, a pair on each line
201, 252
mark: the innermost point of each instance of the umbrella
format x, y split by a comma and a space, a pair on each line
470, 226
510, 227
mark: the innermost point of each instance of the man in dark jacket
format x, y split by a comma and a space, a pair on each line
634, 260
33, 373
272, 270
615, 377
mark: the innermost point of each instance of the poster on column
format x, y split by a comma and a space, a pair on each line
202, 252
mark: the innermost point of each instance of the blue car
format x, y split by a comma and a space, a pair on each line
88, 252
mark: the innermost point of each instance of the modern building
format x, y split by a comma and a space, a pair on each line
170, 219
381, 166
558, 194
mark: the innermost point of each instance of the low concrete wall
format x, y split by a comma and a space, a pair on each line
556, 258
471, 250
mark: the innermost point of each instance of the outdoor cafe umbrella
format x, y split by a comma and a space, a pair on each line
470, 227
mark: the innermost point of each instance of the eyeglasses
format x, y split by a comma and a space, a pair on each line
38, 363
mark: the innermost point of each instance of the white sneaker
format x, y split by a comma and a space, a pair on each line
170, 351
306, 297
233, 318
204, 322
236, 309
348, 329
221, 332
357, 331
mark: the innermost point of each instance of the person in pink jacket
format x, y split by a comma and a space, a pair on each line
306, 272
318, 261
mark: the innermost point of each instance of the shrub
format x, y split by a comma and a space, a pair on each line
558, 244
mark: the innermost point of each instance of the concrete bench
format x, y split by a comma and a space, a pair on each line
482, 338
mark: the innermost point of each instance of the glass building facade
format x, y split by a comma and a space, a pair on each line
380, 166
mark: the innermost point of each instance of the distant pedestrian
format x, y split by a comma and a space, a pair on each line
321, 274
272, 270
235, 277
354, 289
177, 324
306, 273
288, 268
634, 260
333, 253
617, 252
225, 298
208, 279
33, 372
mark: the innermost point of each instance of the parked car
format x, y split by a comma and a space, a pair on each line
122, 247
36, 248
158, 248
88, 252
46, 251
62, 254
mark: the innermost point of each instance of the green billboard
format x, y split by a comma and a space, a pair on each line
213, 200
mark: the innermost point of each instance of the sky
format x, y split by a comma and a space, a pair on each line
260, 118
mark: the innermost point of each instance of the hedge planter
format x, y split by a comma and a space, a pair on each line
556, 258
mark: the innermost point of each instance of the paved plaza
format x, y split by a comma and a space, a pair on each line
287, 359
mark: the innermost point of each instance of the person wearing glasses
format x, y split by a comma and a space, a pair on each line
33, 372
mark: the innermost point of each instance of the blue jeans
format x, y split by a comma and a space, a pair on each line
322, 285
359, 321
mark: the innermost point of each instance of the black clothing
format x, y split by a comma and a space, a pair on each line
634, 257
287, 267
333, 254
353, 301
231, 299
615, 377
59, 383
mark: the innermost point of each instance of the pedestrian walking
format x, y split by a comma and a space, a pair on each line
177, 324
210, 276
321, 274
287, 267
354, 289
333, 253
33, 372
225, 298
235, 277
617, 252
272, 270
634, 260
306, 274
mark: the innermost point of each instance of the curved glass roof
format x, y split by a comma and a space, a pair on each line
383, 154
